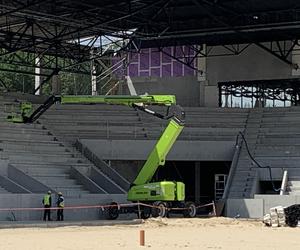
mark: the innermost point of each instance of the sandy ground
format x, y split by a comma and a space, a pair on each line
163, 234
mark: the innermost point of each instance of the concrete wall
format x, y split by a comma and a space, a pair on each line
186, 89
182, 150
259, 206
34, 200
253, 63
244, 208
128, 169
128, 156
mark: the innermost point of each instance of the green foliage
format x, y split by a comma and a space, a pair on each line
71, 84
75, 84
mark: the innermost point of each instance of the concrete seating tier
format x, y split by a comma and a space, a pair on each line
117, 122
37, 162
273, 136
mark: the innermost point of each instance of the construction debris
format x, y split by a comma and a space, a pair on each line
276, 217
280, 216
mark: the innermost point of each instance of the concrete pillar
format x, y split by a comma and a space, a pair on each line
94, 80
201, 65
197, 182
93, 74
56, 85
201, 75
38, 77
296, 60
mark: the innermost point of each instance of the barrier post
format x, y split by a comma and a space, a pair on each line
142, 237
214, 208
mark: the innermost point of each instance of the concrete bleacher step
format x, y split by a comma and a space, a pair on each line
61, 124
40, 152
42, 158
54, 180
87, 117
44, 172
32, 126
71, 192
26, 136
87, 110
16, 130
49, 174
34, 148
57, 179
29, 142
3, 191
50, 165
293, 185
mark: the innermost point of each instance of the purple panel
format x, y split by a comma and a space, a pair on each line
144, 73
144, 61
133, 70
188, 71
155, 58
145, 51
188, 51
177, 69
118, 72
178, 51
155, 72
166, 70
133, 57
115, 60
166, 58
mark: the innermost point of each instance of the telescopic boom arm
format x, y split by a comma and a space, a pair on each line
158, 155
27, 115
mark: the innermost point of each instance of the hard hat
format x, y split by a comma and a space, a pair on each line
49, 192
59, 193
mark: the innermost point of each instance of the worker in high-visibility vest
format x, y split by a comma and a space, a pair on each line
60, 207
47, 202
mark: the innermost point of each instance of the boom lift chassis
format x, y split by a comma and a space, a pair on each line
149, 198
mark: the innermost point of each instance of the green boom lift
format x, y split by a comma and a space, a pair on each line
161, 198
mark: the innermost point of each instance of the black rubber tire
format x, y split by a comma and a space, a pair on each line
159, 209
111, 213
190, 211
145, 213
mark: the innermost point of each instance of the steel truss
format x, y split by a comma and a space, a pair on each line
281, 92
280, 49
63, 32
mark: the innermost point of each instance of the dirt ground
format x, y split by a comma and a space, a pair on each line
163, 234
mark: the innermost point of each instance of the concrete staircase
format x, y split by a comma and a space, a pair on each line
293, 185
273, 136
244, 174
35, 155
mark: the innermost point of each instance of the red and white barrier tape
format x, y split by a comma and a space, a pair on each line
102, 207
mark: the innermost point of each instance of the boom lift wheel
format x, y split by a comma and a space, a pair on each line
145, 213
112, 213
159, 209
190, 211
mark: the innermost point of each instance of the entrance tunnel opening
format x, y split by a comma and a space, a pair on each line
203, 180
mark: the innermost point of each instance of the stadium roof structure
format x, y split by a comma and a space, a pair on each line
69, 29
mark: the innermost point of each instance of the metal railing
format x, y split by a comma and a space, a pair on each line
233, 167
284, 183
